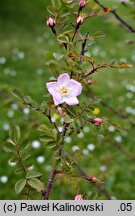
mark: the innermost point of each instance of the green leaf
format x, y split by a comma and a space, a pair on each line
28, 165
43, 105
20, 185
33, 174
58, 56
56, 4
14, 133
121, 65
26, 156
8, 147
27, 99
62, 38
98, 34
49, 11
14, 160
18, 171
34, 105
24, 146
96, 100
52, 146
43, 128
36, 183
66, 15
46, 140
17, 93
76, 125
67, 119
54, 133
83, 122
59, 138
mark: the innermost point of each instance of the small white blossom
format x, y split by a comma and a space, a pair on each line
40, 159
36, 144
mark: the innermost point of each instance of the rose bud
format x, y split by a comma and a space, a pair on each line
79, 197
106, 10
94, 179
97, 121
82, 3
51, 22
79, 20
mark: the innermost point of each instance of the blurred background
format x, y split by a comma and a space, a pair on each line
26, 44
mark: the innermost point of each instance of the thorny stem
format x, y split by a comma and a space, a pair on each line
125, 24
95, 68
84, 174
65, 127
76, 29
78, 26
20, 160
66, 156
83, 50
46, 194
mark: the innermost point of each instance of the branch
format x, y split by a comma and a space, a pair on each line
65, 127
117, 16
84, 174
83, 50
46, 194
117, 112
95, 68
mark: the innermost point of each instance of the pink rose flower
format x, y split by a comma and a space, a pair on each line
79, 197
79, 20
82, 3
65, 90
51, 22
97, 121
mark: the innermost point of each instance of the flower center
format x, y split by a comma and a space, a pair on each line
64, 91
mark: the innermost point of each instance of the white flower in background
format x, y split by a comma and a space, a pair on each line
4, 179
85, 151
35, 144
2, 60
75, 148
40, 159
111, 128
80, 135
91, 147
118, 139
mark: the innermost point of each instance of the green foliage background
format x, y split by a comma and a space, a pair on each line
27, 44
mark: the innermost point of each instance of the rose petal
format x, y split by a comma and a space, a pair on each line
71, 100
63, 79
75, 88
54, 89
58, 101
79, 197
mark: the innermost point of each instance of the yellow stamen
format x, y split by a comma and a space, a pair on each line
64, 91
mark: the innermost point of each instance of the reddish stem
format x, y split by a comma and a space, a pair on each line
46, 194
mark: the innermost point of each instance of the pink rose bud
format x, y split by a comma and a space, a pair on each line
94, 179
79, 197
79, 20
82, 3
97, 121
51, 22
